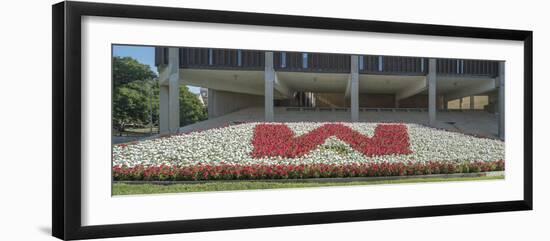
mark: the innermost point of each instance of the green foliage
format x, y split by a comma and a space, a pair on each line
135, 93
191, 109
136, 96
134, 102
127, 69
127, 189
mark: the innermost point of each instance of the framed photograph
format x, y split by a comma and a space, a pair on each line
171, 120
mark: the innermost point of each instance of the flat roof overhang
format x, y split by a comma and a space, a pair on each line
252, 82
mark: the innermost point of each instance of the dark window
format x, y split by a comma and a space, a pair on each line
361, 62
283, 60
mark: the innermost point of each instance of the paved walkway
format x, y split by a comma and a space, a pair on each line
470, 122
126, 139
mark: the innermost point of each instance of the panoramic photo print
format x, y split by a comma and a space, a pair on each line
194, 119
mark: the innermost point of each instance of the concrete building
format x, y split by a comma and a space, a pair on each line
321, 84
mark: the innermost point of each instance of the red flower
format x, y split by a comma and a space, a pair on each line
279, 140
258, 171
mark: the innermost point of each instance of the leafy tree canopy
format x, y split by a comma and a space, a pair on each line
191, 108
135, 103
136, 96
127, 69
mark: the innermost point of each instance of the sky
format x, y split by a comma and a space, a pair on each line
144, 55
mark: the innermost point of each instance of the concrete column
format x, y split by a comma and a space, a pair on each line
269, 74
472, 106
460, 103
501, 100
354, 88
169, 95
174, 89
431, 91
212, 104
174, 103
164, 119
396, 100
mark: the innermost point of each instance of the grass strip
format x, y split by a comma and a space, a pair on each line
131, 189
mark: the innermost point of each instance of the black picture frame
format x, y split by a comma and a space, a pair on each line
66, 127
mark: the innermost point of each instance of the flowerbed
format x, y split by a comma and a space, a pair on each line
279, 140
260, 172
304, 150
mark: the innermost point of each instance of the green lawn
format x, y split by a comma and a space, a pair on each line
127, 189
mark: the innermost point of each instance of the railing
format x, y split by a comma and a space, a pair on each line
311, 62
467, 67
161, 56
374, 64
207, 58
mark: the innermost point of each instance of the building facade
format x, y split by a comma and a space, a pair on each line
237, 79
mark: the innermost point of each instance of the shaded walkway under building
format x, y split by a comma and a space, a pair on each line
479, 123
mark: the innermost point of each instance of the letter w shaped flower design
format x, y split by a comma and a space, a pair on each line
278, 140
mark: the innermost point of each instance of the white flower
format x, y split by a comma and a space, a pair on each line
232, 145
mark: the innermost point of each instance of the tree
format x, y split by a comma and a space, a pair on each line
135, 93
134, 103
127, 69
191, 109
136, 96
